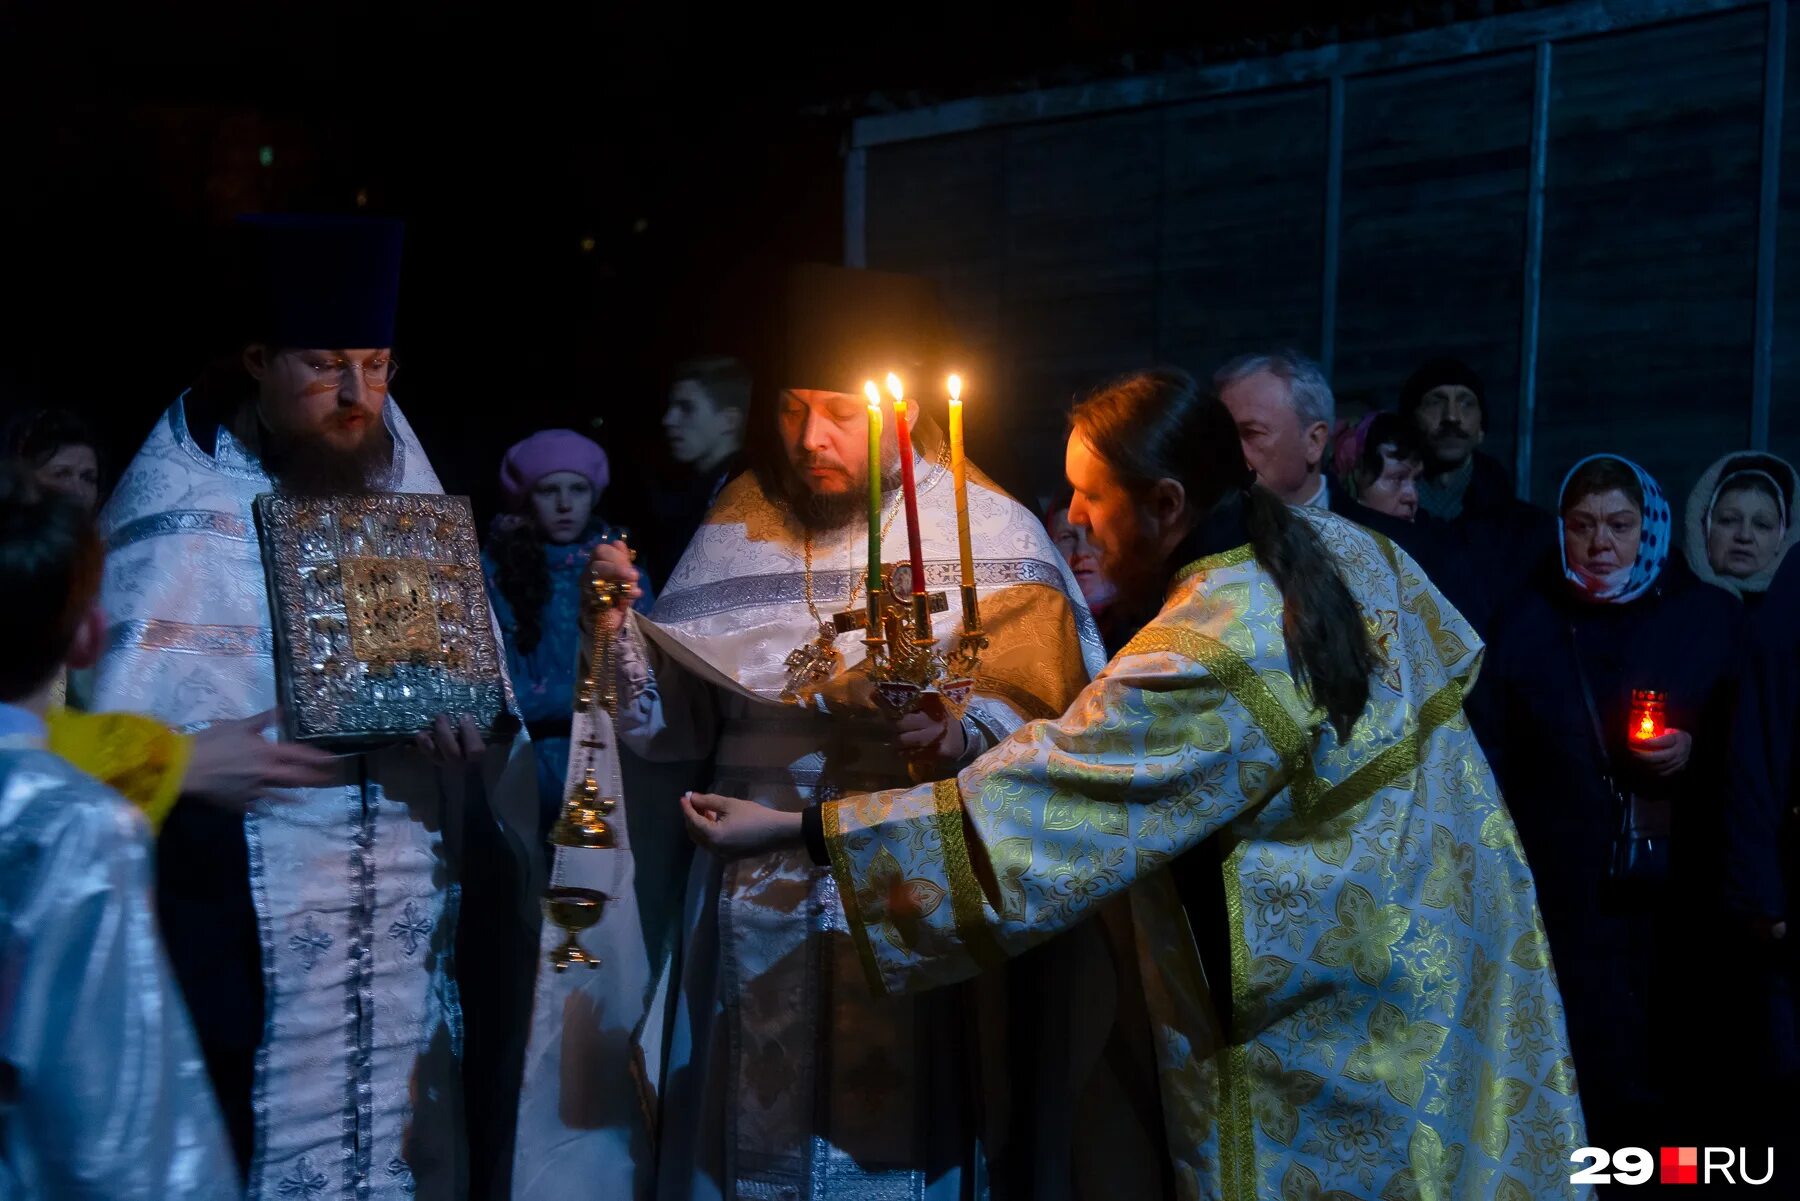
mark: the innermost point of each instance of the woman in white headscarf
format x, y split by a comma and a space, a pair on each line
1740, 522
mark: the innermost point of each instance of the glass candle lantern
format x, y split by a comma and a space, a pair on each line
1649, 717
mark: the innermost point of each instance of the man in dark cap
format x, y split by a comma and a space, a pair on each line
313, 935
1444, 398
785, 1076
1505, 539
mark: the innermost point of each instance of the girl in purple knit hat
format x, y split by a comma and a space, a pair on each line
535, 557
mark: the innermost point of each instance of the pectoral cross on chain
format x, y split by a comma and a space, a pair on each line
812, 663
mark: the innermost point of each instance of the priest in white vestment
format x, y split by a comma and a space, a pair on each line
316, 936
782, 1074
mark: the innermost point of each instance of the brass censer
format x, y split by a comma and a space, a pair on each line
573, 910
582, 825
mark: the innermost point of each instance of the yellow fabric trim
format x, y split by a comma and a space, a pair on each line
1236, 557
1442, 705
1238, 678
1387, 548
138, 757
966, 898
831, 817
1030, 705
1237, 1115
1390, 766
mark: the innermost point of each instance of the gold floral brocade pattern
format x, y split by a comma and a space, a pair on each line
1397, 1028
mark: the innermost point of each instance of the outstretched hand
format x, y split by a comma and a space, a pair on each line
731, 828
233, 766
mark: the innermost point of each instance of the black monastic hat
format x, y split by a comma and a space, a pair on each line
320, 282
842, 326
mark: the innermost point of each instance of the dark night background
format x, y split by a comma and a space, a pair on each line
589, 193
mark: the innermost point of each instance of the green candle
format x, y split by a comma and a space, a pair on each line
874, 395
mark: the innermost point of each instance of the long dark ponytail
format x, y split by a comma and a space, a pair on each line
1160, 424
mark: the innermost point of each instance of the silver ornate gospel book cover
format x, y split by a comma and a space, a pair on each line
381, 615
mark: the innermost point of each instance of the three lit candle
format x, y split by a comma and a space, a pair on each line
909, 483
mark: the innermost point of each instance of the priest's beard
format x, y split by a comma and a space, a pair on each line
1137, 572
822, 512
833, 511
309, 465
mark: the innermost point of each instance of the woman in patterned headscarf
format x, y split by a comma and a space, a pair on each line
1554, 712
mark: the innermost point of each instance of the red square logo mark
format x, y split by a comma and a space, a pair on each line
1680, 1165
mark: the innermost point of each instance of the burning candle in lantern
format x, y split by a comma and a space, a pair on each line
1648, 715
959, 470
909, 490
874, 395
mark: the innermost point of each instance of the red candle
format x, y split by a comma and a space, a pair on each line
1648, 715
908, 489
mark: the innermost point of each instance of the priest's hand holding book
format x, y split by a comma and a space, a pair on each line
449, 742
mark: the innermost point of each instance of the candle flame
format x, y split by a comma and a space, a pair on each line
894, 388
956, 388
873, 393
1646, 728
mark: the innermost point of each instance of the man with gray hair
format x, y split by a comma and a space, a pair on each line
1284, 412
1283, 407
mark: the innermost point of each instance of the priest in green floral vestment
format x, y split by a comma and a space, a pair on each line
1349, 986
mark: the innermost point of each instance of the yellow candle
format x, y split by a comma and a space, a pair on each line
959, 470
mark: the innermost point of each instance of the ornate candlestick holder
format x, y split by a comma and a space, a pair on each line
965, 660
908, 670
582, 824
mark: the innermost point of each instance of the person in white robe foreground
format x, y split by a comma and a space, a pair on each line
103, 1095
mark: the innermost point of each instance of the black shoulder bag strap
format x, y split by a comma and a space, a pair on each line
1640, 847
